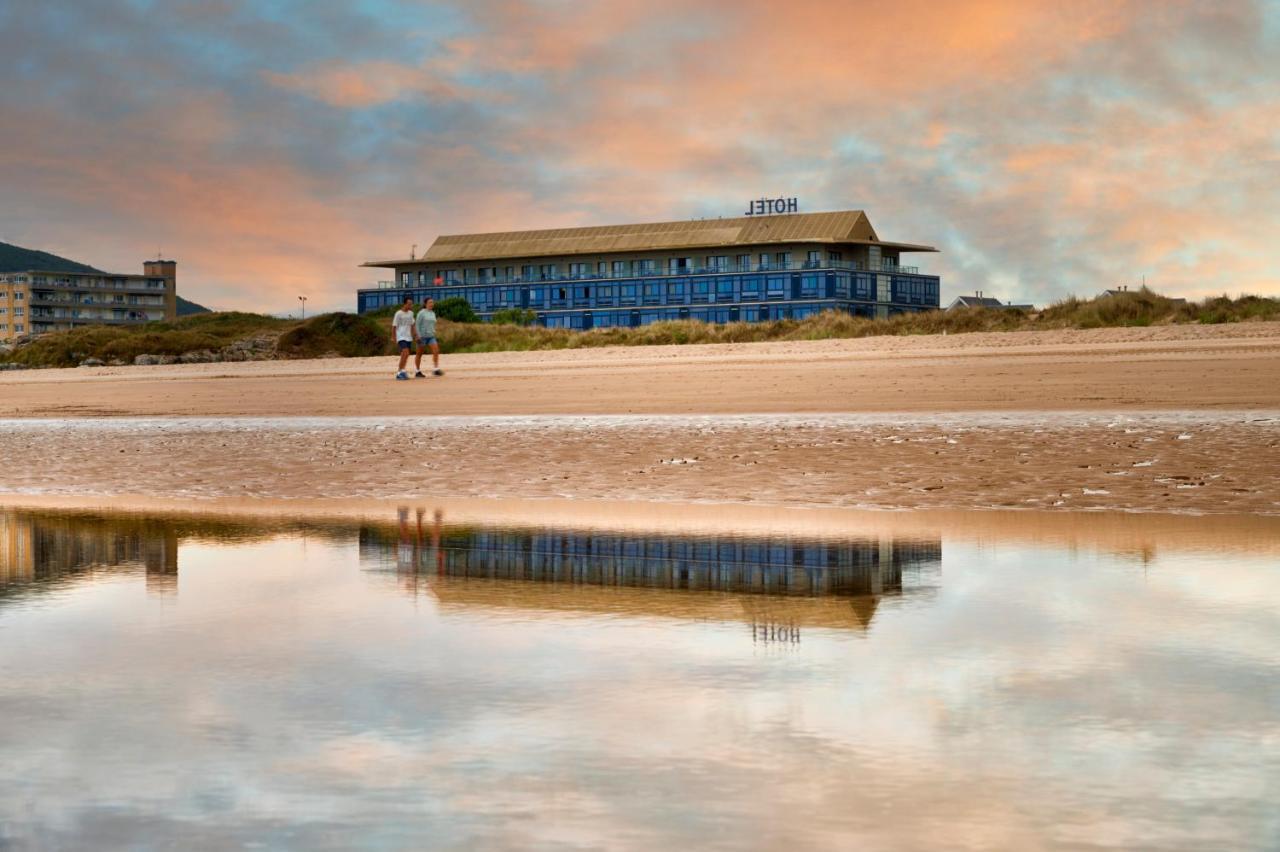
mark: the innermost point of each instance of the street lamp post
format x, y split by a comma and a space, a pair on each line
303, 300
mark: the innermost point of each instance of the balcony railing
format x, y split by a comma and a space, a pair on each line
608, 275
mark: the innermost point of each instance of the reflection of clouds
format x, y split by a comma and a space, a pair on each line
1036, 698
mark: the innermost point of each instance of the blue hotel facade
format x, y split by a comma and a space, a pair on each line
748, 269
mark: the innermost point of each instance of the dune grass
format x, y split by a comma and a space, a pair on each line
349, 335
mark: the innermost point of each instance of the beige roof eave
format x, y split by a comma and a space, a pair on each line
841, 227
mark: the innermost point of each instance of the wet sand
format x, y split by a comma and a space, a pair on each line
1136, 535
1168, 419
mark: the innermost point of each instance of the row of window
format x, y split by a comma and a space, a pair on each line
618, 268
580, 321
17, 328
90, 299
728, 289
17, 312
98, 283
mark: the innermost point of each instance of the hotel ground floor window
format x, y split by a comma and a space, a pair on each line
724, 289
775, 286
701, 291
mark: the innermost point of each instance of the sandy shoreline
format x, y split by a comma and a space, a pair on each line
1168, 419
1167, 367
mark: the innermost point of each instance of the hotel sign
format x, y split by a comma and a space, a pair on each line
767, 206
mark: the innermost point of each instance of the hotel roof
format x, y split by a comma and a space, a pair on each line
845, 226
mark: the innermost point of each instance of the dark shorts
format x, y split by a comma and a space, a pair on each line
427, 341
405, 345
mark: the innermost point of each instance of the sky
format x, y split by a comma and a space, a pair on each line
272, 146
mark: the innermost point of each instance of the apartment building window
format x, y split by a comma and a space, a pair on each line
18, 296
18, 327
17, 312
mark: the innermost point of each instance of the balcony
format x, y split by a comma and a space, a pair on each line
729, 269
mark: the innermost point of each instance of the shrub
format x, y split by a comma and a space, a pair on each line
514, 316
456, 309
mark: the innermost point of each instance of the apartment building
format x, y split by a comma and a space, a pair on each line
35, 302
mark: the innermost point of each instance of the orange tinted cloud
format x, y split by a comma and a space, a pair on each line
1051, 148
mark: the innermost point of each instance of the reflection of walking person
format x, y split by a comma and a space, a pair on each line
426, 328
402, 332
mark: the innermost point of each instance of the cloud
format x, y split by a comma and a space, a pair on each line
1046, 149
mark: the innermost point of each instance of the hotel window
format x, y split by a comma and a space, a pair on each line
724, 289
447, 276
406, 278
579, 270
510, 274
702, 291
744, 263
646, 267
718, 263
764, 260
815, 258
620, 267
526, 273
422, 277
602, 269
679, 265
835, 256
783, 259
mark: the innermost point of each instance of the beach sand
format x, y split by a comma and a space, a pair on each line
1183, 419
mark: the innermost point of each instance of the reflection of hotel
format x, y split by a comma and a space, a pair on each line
763, 580
42, 546
750, 268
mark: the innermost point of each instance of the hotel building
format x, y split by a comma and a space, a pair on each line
35, 302
750, 268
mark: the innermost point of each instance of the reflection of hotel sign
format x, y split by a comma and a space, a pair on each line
767, 206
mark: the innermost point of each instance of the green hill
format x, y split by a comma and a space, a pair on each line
18, 259
187, 308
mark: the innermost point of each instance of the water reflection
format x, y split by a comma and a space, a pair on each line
193, 682
776, 584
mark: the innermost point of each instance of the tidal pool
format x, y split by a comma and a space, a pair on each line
192, 682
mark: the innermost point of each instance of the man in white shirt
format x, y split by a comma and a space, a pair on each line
402, 330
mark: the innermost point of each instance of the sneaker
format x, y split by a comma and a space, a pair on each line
419, 375
402, 376
437, 372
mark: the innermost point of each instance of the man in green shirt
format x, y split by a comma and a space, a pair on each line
426, 328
